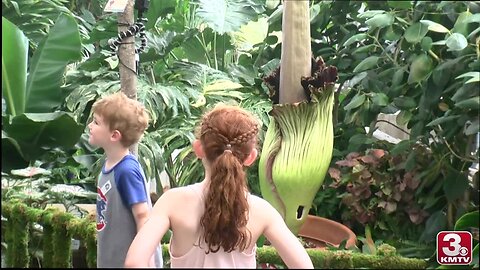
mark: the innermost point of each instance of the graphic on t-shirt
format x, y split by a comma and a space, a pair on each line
101, 209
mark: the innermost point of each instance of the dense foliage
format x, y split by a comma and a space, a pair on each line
416, 59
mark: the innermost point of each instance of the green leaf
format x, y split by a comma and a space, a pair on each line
463, 92
401, 147
475, 254
365, 48
475, 76
45, 131
405, 102
359, 139
403, 117
366, 64
356, 101
397, 77
112, 61
370, 13
355, 38
456, 42
461, 24
356, 79
473, 18
380, 99
411, 161
271, 4
221, 85
12, 157
400, 19
400, 4
14, 67
426, 44
225, 16
380, 20
467, 221
435, 223
250, 34
471, 103
442, 120
435, 27
440, 42
48, 63
391, 34
420, 69
261, 241
450, 63
455, 185
416, 32
158, 9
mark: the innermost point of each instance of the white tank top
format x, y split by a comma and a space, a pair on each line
196, 257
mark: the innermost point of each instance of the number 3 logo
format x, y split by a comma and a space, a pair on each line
454, 244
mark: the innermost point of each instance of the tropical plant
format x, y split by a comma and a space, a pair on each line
393, 57
420, 61
378, 190
299, 141
417, 59
176, 93
32, 100
470, 222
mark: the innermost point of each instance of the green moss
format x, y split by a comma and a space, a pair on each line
341, 260
386, 250
59, 228
20, 231
90, 236
47, 246
9, 240
62, 240
344, 259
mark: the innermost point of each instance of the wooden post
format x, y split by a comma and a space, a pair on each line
126, 56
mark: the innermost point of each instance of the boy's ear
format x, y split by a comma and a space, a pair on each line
116, 136
198, 149
251, 157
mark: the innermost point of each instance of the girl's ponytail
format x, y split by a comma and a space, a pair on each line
228, 136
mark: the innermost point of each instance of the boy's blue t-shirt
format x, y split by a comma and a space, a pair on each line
118, 189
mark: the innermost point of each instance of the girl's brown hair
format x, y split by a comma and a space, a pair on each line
228, 135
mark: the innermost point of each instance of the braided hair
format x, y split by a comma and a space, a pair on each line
228, 135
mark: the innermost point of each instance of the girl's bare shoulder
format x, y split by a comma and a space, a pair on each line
260, 203
178, 194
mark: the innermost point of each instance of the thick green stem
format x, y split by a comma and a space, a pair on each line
215, 50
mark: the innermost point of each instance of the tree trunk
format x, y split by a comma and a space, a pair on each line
126, 56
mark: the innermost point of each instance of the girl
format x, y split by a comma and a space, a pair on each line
216, 223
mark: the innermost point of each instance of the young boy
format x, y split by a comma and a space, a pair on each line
123, 204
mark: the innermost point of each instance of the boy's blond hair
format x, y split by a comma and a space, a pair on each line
126, 115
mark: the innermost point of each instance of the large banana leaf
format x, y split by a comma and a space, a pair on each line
35, 133
250, 34
33, 17
11, 154
14, 67
48, 63
225, 16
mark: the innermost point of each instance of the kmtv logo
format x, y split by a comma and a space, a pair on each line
454, 247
